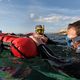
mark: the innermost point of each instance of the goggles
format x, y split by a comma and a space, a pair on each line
40, 31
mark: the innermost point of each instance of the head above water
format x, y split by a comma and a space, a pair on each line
73, 30
39, 29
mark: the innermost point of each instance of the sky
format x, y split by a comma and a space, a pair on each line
21, 16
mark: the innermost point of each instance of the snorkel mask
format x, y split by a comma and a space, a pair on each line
39, 29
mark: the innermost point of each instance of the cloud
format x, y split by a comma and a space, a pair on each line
47, 19
56, 18
45, 14
32, 15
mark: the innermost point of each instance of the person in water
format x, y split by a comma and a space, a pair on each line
73, 36
39, 37
73, 41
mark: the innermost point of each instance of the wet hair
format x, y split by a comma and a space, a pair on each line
75, 25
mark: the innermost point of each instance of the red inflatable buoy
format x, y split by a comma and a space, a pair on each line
9, 38
26, 46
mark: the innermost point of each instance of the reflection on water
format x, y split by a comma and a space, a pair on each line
57, 37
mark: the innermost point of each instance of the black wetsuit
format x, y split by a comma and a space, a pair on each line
51, 41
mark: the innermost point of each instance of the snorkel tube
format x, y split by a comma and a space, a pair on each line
69, 41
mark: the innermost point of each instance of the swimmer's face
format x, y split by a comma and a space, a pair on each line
71, 33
